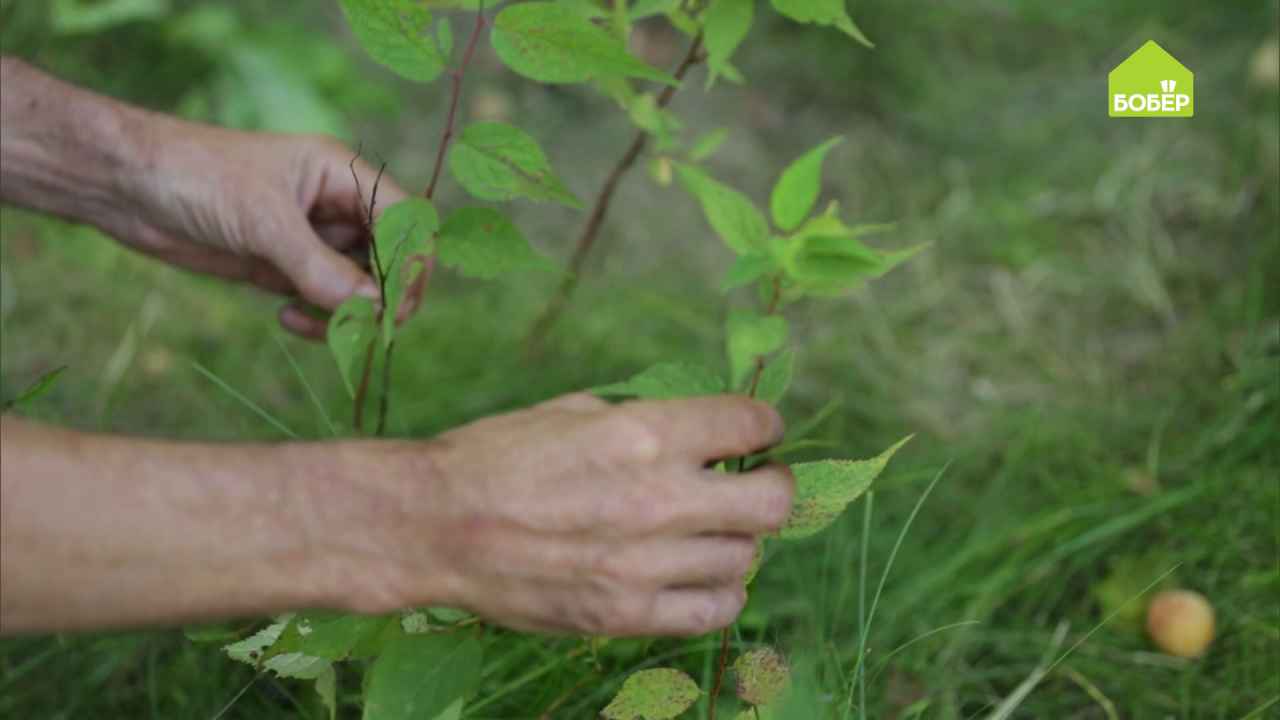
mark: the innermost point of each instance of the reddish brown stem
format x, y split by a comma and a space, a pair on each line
600, 208
722, 663
456, 77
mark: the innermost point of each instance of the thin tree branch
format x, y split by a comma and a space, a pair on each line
600, 208
456, 76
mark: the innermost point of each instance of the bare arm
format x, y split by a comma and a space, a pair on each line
572, 516
276, 211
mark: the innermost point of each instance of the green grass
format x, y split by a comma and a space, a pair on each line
1097, 313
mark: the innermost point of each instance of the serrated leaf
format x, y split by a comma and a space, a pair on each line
482, 243
551, 43
822, 12
498, 162
394, 32
666, 380
332, 636
825, 488
827, 257
748, 268
796, 191
418, 677
660, 694
762, 675
730, 213
749, 337
725, 25
251, 649
776, 378
403, 238
351, 328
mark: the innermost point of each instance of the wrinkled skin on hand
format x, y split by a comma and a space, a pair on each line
281, 212
581, 517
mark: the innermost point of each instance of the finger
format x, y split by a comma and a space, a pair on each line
575, 402
694, 611
752, 503
709, 428
706, 560
323, 276
297, 320
344, 197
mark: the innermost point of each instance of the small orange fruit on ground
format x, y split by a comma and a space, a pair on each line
1180, 622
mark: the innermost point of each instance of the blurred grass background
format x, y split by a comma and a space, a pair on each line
1092, 340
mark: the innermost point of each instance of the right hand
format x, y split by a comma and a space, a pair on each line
577, 516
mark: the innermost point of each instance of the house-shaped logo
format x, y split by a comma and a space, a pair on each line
1151, 83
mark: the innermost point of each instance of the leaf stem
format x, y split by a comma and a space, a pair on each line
600, 208
456, 76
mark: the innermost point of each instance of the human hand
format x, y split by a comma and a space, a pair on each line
572, 516
277, 211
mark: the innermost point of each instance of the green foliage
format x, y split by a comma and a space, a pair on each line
751, 336
393, 32
498, 162
731, 214
551, 43
32, 392
419, 677
797, 190
822, 12
776, 377
483, 243
762, 676
826, 487
334, 636
660, 694
402, 238
78, 16
725, 25
666, 380
351, 328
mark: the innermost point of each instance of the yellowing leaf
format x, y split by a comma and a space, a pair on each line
660, 694
762, 675
825, 488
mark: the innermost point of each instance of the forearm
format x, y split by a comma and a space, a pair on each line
67, 151
99, 531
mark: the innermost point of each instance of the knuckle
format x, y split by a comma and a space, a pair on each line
632, 436
762, 421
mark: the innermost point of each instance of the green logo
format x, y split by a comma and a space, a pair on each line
1151, 83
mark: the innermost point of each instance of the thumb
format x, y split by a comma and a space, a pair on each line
323, 276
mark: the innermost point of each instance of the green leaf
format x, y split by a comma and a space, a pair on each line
498, 162
659, 122
731, 214
749, 337
551, 43
797, 189
756, 561
332, 636
42, 385
660, 694
748, 268
666, 380
419, 677
642, 9
776, 378
725, 25
802, 429
394, 32
351, 328
763, 675
402, 236
69, 17
825, 488
822, 12
482, 243
826, 257
707, 145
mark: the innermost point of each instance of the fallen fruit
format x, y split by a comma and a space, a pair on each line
1180, 622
